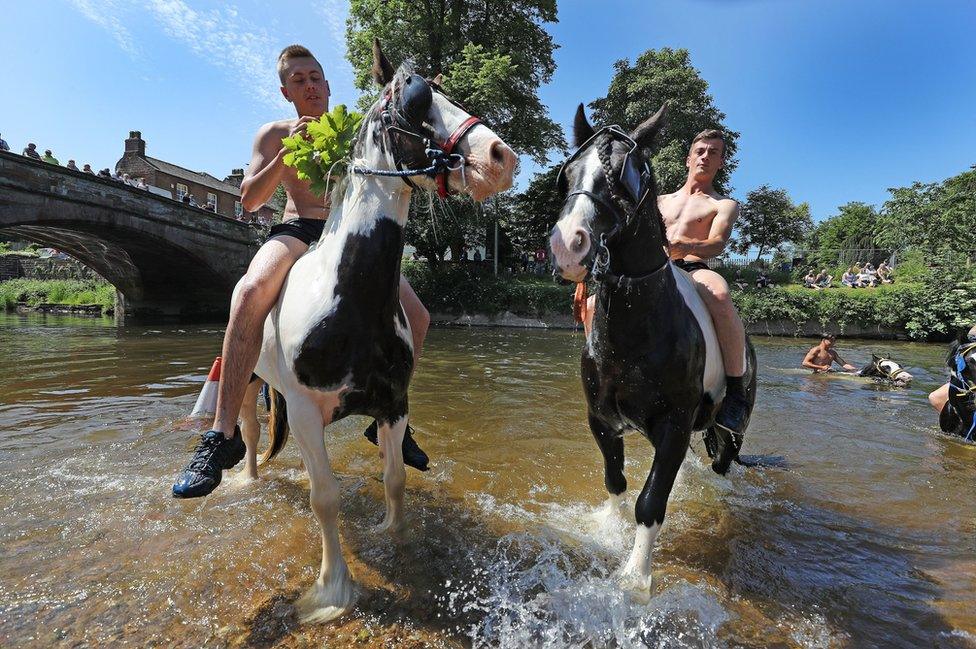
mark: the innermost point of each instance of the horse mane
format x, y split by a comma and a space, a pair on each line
604, 151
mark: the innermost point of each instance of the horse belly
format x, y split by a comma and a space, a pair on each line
713, 378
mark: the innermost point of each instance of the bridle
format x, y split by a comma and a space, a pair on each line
636, 181
958, 381
441, 156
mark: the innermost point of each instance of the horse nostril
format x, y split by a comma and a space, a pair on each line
579, 243
497, 152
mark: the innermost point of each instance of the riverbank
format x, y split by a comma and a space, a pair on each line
467, 295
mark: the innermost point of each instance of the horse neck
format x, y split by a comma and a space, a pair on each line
364, 235
639, 249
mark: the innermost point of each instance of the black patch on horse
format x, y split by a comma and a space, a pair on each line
357, 340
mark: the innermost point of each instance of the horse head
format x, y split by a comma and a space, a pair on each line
885, 368
418, 127
609, 188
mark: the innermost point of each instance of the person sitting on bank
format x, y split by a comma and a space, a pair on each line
849, 278
885, 274
810, 280
823, 279
821, 358
763, 281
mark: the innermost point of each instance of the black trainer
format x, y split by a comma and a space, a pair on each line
728, 431
413, 455
213, 455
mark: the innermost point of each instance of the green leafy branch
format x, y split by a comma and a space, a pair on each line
327, 147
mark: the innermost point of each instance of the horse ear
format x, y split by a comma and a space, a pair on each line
582, 131
382, 70
438, 80
644, 134
875, 358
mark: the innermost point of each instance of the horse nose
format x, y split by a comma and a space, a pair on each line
503, 158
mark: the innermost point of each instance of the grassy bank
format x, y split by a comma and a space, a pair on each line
933, 309
70, 292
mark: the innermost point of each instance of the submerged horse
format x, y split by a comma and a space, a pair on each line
338, 343
651, 363
886, 369
958, 415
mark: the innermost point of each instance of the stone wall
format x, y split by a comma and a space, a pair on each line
15, 266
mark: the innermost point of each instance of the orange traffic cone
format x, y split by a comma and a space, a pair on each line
206, 405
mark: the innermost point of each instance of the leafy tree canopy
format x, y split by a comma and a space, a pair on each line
768, 219
637, 91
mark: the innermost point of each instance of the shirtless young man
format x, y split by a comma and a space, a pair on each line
822, 357
699, 222
303, 84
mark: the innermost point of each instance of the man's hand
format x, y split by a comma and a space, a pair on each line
682, 246
300, 127
849, 367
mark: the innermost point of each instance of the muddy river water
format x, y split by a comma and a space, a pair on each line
863, 534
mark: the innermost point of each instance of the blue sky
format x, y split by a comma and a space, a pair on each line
835, 100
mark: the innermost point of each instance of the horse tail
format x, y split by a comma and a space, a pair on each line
277, 427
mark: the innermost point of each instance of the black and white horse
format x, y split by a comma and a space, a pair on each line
338, 343
886, 369
958, 416
651, 363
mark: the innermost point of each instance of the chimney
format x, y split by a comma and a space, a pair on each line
135, 145
235, 178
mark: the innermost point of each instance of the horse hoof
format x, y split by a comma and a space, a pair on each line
636, 586
390, 526
326, 602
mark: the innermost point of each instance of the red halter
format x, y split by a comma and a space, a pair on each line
448, 147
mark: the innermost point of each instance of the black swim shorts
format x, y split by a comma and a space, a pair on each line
689, 266
308, 231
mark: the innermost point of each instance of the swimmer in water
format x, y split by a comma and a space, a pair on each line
822, 357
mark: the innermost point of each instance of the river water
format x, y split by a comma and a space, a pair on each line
863, 534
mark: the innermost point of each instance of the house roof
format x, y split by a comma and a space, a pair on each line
200, 177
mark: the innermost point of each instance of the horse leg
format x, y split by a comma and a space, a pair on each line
394, 473
250, 428
650, 508
333, 594
612, 447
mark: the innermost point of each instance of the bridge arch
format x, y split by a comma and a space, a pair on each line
166, 259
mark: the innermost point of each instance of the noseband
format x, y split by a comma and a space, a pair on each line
440, 155
635, 180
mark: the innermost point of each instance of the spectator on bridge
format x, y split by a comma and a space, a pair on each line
3, 145
71, 165
105, 173
193, 201
141, 184
49, 158
87, 169
185, 199
31, 151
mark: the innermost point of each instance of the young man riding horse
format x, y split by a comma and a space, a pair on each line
956, 400
304, 85
699, 223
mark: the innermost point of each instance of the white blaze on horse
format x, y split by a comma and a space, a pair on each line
652, 362
338, 343
886, 369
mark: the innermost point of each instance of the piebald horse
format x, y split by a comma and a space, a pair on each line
885, 369
958, 416
338, 343
651, 363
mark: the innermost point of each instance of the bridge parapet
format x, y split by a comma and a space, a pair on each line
165, 258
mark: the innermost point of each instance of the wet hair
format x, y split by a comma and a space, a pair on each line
827, 336
711, 134
294, 52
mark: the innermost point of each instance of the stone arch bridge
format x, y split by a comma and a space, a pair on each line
165, 259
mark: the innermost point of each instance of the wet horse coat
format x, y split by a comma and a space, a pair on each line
651, 363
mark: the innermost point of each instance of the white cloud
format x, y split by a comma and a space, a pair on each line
106, 16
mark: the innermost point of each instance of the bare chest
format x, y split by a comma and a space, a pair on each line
688, 215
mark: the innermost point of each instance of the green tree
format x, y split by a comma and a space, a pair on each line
494, 55
768, 219
936, 217
851, 229
530, 215
637, 91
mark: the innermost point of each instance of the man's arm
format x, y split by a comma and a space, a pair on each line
809, 364
840, 361
718, 234
266, 168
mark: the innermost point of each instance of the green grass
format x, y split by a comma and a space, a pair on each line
72, 292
